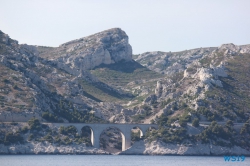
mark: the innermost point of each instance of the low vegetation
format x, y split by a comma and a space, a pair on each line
120, 74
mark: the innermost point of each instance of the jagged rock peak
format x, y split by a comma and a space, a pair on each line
114, 40
5, 39
106, 47
230, 48
114, 33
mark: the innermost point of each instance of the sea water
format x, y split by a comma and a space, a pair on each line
115, 160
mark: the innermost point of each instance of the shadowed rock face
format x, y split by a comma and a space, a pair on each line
106, 47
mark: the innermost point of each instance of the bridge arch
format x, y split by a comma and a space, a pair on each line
113, 130
141, 131
86, 131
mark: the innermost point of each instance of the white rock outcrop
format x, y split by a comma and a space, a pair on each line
48, 148
106, 47
210, 75
160, 148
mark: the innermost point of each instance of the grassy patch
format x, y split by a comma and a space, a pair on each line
120, 74
98, 92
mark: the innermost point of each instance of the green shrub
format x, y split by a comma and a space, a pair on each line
70, 130
152, 121
57, 140
14, 123
24, 129
34, 124
6, 81
135, 136
103, 143
50, 117
245, 129
118, 145
48, 138
196, 122
31, 137
140, 117
13, 138
164, 103
182, 123
146, 107
75, 116
15, 87
67, 141
215, 131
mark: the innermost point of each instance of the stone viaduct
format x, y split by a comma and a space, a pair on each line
97, 129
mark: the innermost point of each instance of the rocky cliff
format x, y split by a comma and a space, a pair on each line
106, 47
172, 62
161, 148
36, 79
96, 79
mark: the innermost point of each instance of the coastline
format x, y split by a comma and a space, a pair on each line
139, 148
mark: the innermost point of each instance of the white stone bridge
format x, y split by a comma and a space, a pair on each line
97, 129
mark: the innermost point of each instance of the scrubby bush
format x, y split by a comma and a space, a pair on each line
163, 120
31, 137
6, 81
140, 117
164, 103
34, 124
14, 123
24, 129
135, 136
13, 138
48, 138
75, 116
70, 130
103, 143
245, 129
146, 107
118, 145
184, 119
67, 141
167, 135
215, 131
50, 117
196, 122
182, 123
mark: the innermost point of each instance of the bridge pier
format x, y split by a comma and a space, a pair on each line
95, 138
143, 131
126, 142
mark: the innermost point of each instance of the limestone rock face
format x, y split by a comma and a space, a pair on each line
106, 47
5, 39
160, 148
162, 87
172, 62
47, 148
210, 75
158, 89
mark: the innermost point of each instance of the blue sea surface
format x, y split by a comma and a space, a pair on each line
115, 160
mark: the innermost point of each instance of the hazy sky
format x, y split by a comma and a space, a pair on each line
159, 25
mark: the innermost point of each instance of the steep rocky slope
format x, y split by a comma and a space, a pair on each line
97, 79
90, 75
36, 79
214, 78
106, 47
97, 74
